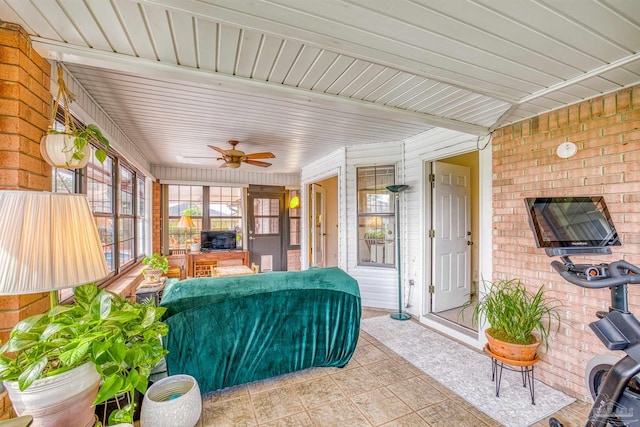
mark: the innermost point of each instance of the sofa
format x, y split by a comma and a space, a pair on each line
226, 331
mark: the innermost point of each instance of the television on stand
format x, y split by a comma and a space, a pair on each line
217, 241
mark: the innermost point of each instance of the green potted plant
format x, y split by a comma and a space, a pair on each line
102, 341
69, 148
514, 314
157, 266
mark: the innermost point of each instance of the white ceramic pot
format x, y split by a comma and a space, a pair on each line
152, 275
57, 149
174, 401
194, 247
64, 400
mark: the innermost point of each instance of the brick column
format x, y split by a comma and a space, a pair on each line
155, 218
25, 103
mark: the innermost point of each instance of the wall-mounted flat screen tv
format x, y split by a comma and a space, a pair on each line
572, 224
217, 240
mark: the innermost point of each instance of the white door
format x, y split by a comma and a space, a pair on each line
317, 226
451, 242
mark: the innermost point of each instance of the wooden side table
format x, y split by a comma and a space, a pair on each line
526, 368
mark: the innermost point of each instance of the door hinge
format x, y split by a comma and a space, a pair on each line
432, 289
432, 233
432, 177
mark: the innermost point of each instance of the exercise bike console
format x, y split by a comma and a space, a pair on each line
583, 226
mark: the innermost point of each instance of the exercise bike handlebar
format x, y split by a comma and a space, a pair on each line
621, 273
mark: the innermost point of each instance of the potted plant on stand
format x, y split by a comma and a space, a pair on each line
514, 314
97, 348
157, 266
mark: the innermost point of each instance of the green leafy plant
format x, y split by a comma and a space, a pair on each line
514, 313
157, 262
82, 137
121, 338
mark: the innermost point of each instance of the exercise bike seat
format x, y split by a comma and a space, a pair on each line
617, 330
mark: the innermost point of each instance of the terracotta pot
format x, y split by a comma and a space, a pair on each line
520, 352
63, 400
57, 149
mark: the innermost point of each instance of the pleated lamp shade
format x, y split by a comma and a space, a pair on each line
48, 241
185, 222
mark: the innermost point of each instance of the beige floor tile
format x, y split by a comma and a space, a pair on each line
277, 403
411, 420
261, 386
388, 372
229, 393
447, 414
308, 374
318, 391
356, 381
417, 393
300, 419
380, 406
230, 413
369, 353
343, 413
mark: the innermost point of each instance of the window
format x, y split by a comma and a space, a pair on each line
100, 194
376, 216
126, 218
294, 218
184, 200
122, 226
141, 218
225, 212
266, 214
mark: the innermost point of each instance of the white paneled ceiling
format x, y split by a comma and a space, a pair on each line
301, 78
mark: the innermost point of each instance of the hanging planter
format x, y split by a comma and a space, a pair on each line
70, 148
58, 150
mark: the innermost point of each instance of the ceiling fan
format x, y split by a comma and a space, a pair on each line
233, 158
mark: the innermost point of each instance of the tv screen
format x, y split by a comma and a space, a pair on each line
217, 240
571, 222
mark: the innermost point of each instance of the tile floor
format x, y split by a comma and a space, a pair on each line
376, 388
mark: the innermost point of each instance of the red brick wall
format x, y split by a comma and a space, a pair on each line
293, 260
24, 116
24, 105
607, 133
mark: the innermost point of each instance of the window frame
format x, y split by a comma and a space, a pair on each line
205, 220
81, 186
375, 216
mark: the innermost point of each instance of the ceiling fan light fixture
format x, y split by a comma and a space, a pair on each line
234, 158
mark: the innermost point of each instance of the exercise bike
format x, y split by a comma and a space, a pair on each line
613, 383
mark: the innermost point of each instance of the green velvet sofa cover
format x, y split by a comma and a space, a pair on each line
225, 331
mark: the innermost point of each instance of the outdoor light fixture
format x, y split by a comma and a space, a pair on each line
397, 189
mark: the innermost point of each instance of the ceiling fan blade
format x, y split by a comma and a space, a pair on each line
265, 155
219, 150
202, 157
257, 163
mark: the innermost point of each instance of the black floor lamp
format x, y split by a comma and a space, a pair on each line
397, 189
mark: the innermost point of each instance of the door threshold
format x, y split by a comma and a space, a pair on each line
452, 325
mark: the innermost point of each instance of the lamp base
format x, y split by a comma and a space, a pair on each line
400, 316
